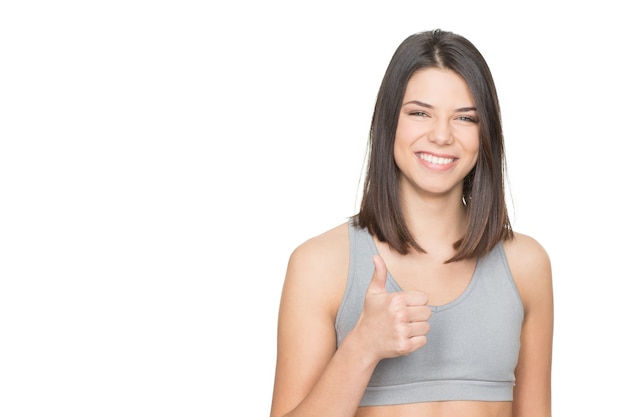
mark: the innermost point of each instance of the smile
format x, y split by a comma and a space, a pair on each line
435, 159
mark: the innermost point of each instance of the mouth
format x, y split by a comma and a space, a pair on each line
436, 160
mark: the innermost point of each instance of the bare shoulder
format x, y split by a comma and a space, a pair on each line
326, 244
530, 266
526, 251
319, 266
312, 291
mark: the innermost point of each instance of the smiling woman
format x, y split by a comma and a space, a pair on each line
437, 138
425, 302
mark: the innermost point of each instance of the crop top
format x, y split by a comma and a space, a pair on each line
473, 342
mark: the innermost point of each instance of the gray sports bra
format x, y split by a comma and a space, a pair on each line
473, 342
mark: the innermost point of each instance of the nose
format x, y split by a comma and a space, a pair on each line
441, 133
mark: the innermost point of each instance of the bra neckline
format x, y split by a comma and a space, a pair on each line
434, 308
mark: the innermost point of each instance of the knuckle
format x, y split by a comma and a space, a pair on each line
402, 316
396, 299
423, 299
421, 341
403, 348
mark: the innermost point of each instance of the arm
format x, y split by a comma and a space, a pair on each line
531, 269
313, 376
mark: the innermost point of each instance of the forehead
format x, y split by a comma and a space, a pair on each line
436, 85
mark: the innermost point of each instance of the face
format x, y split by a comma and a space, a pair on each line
437, 138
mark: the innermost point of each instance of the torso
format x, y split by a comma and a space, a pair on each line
442, 282
452, 281
440, 409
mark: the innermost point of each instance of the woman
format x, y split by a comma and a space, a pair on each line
425, 303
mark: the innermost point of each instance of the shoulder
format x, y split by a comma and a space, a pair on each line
318, 267
325, 247
524, 251
530, 266
324, 252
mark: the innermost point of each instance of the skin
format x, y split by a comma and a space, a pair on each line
313, 377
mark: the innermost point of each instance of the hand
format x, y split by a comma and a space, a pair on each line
392, 323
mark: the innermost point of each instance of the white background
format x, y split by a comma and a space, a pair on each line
160, 160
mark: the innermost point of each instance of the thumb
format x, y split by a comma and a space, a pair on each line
377, 285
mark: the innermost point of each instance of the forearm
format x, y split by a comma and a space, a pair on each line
338, 391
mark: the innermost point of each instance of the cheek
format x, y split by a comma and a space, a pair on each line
399, 142
397, 148
471, 142
406, 135
474, 148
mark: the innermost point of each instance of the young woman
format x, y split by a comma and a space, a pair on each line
425, 303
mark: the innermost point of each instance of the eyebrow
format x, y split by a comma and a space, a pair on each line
430, 106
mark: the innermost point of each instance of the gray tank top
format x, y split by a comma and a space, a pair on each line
473, 342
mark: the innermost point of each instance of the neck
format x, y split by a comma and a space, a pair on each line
436, 221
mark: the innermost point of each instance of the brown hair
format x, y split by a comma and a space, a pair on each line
483, 188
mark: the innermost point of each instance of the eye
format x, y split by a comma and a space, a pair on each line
468, 119
418, 113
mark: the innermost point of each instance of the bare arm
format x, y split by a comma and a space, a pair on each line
313, 376
531, 268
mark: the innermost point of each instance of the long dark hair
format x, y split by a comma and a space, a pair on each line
483, 188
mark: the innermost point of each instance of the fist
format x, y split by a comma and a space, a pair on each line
392, 323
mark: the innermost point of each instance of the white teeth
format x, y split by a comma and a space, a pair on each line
435, 159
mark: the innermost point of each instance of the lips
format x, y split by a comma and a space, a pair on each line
437, 160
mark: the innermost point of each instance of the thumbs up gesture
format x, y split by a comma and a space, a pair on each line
392, 323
